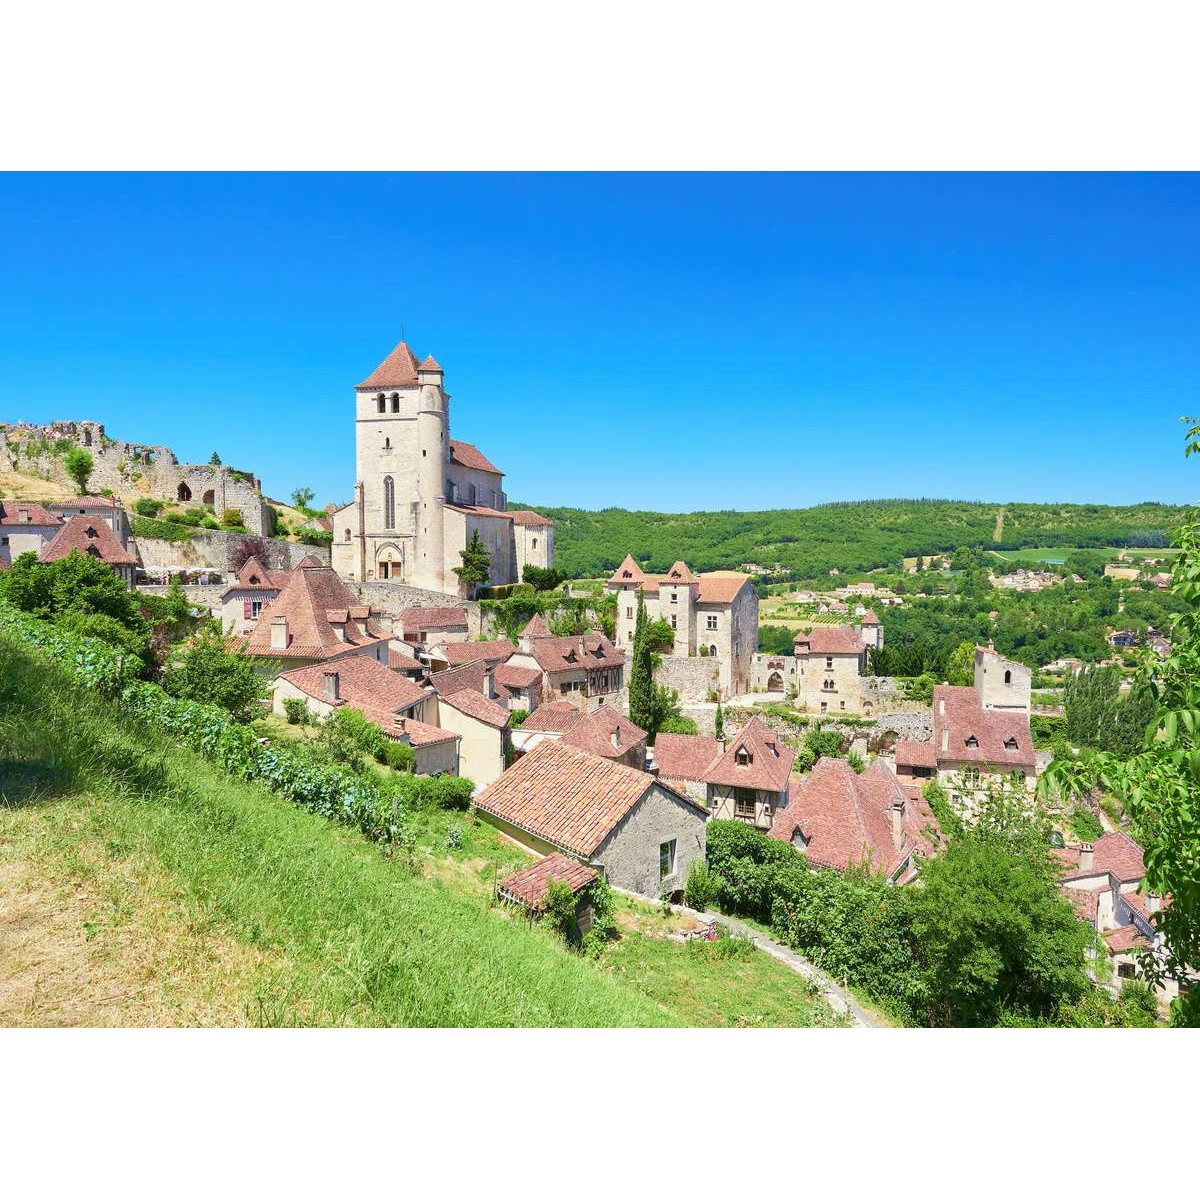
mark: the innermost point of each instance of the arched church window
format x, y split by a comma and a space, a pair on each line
389, 502
381, 402
347, 535
1008, 677
387, 443
395, 402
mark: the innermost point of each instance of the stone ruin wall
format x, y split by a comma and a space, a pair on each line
133, 468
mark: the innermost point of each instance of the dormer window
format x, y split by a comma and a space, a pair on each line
626, 574
1011, 744
742, 757
972, 742
254, 579
91, 532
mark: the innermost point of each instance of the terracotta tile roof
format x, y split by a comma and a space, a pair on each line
566, 796
1140, 903
770, 762
964, 719
421, 734
721, 587
869, 618
477, 705
254, 573
91, 536
311, 592
478, 510
628, 572
916, 754
529, 887
468, 455
536, 628
594, 732
1115, 853
685, 755
830, 639
402, 657
1125, 939
471, 676
509, 676
86, 502
679, 572
847, 818
588, 650
399, 369
446, 617
1085, 903
526, 516
490, 652
556, 717
10, 513
363, 684
430, 364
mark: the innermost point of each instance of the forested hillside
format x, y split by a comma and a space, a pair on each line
856, 535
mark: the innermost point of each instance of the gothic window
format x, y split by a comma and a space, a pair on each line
712, 651
1008, 677
389, 503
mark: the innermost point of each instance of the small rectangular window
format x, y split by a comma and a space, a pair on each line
712, 621
674, 597
673, 619
628, 611
1126, 970
829, 662
666, 859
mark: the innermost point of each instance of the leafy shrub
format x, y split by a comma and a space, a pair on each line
207, 672
559, 911
454, 837
1085, 825
295, 708
398, 755
163, 531
703, 886
542, 579
144, 506
232, 517
677, 724
517, 717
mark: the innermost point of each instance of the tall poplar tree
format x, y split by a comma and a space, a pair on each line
641, 675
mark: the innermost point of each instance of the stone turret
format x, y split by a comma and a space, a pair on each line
433, 444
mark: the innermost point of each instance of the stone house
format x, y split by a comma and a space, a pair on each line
467, 705
713, 614
518, 687
838, 819
99, 508
457, 654
830, 660
420, 495
253, 587
403, 710
1002, 683
314, 618
25, 527
604, 732
530, 887
641, 834
746, 778
95, 539
444, 624
585, 668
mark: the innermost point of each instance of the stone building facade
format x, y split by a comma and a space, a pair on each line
824, 673
419, 495
133, 469
714, 616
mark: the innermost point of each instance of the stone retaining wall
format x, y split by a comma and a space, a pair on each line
385, 596
214, 549
692, 678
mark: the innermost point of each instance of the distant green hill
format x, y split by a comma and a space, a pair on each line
855, 535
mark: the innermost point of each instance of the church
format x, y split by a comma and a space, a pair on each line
420, 495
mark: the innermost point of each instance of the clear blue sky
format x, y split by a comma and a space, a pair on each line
673, 342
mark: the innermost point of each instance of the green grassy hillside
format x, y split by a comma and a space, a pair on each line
850, 536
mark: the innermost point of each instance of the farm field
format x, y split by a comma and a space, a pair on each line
1059, 554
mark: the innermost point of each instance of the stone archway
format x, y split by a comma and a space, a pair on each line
389, 562
184, 492
209, 498
775, 682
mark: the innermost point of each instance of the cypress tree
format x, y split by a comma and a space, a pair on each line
719, 723
641, 680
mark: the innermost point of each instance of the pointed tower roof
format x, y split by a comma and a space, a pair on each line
399, 369
537, 628
430, 364
680, 572
628, 572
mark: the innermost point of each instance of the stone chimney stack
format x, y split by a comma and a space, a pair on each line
615, 738
331, 686
898, 823
1087, 857
945, 738
279, 633
23, 517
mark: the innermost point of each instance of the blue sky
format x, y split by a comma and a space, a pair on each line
672, 342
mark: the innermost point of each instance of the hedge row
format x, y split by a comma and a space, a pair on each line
364, 801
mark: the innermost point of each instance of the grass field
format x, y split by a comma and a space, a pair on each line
139, 886
1059, 554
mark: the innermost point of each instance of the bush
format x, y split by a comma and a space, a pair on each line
144, 506
517, 717
1085, 825
703, 886
398, 755
232, 518
542, 579
208, 673
295, 708
163, 531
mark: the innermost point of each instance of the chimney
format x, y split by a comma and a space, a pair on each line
945, 738
942, 706
279, 633
1087, 857
897, 823
615, 738
331, 686
23, 516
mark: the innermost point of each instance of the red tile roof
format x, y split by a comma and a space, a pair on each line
566, 796
869, 618
916, 754
680, 572
421, 734
536, 628
1125, 939
556, 717
401, 657
489, 652
721, 587
86, 502
10, 513
594, 732
964, 719
363, 684
589, 650
628, 572
430, 364
399, 369
1085, 903
477, 705
1115, 853
770, 762
311, 592
468, 455
685, 756
91, 536
847, 818
519, 678
526, 516
716, 587
470, 676
449, 616
529, 887
1140, 902
829, 639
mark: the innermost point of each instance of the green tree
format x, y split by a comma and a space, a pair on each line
209, 673
960, 667
302, 498
346, 735
641, 673
476, 564
719, 723
660, 637
78, 464
215, 461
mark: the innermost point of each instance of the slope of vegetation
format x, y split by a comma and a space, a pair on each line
851, 536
